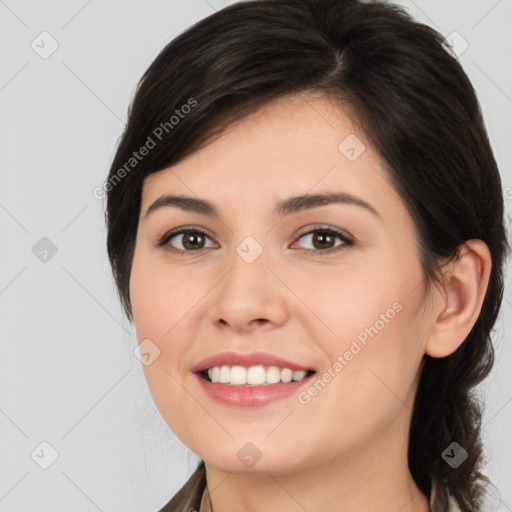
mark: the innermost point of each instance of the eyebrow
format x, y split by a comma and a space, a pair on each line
289, 206
307, 202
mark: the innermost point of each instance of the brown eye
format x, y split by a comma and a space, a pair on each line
324, 240
193, 240
187, 240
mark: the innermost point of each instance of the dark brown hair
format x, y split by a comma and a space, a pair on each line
418, 109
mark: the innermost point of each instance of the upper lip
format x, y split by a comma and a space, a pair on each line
247, 360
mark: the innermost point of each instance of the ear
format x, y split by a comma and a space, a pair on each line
460, 300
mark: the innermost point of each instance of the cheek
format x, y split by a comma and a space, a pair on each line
347, 304
160, 295
370, 380
372, 333
151, 315
156, 317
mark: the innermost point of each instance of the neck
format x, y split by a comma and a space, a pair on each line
260, 493
361, 481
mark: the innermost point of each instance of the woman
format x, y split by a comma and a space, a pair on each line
305, 223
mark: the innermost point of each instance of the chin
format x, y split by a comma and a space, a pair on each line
249, 459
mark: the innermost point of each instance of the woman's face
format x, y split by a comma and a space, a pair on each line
332, 286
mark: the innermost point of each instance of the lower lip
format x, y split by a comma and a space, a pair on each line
244, 396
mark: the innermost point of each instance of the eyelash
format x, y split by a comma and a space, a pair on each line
347, 240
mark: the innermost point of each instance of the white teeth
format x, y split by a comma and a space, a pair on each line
254, 375
224, 374
238, 376
214, 373
273, 375
299, 375
286, 375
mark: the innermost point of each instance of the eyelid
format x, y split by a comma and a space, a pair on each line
164, 239
348, 240
324, 227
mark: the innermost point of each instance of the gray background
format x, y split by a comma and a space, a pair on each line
68, 376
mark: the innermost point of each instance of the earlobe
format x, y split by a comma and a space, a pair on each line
463, 293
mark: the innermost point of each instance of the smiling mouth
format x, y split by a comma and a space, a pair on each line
253, 376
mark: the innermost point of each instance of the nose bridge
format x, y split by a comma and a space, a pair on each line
249, 291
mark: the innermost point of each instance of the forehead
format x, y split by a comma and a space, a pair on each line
296, 144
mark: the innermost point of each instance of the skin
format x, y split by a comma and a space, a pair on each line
347, 448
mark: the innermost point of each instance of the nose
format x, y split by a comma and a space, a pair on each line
249, 297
